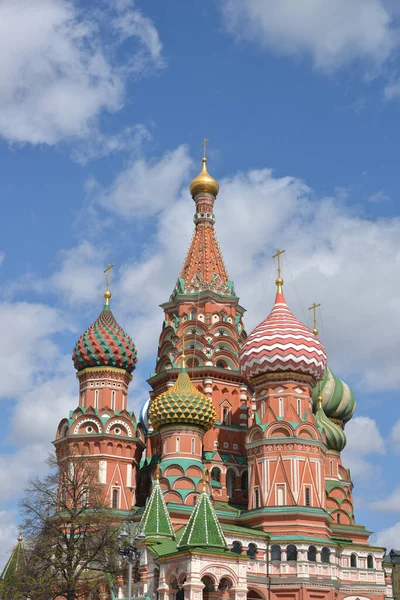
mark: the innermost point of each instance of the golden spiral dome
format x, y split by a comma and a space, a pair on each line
183, 403
204, 183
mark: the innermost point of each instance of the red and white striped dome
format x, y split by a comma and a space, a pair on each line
282, 343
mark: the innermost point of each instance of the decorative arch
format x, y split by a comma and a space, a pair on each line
92, 419
306, 431
123, 424
279, 430
255, 433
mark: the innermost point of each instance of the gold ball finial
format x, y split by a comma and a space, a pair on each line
158, 471
315, 331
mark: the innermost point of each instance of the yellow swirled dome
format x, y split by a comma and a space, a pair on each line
182, 403
204, 182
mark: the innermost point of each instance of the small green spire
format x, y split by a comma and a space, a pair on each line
15, 563
156, 521
203, 529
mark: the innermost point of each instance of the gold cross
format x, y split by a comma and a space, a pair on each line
204, 144
107, 270
278, 255
314, 307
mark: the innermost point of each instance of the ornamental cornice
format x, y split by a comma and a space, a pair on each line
284, 376
103, 370
267, 445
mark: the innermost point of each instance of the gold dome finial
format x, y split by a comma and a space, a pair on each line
279, 280
107, 293
204, 479
20, 534
204, 183
158, 471
314, 307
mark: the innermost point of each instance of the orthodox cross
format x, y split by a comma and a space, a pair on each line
314, 309
107, 270
204, 144
278, 255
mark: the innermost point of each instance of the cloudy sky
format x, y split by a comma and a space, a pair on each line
103, 106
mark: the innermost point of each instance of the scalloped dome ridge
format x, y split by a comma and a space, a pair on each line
338, 400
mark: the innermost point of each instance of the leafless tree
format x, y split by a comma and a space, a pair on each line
71, 533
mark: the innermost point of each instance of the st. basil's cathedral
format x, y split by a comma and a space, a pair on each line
233, 470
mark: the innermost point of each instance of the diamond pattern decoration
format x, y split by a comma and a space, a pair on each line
105, 344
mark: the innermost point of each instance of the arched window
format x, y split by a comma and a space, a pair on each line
353, 560
215, 474
325, 555
370, 561
308, 496
231, 482
225, 416
113, 394
178, 445
331, 467
281, 407
312, 554
276, 552
291, 552
96, 398
338, 518
193, 446
299, 407
280, 495
115, 499
245, 481
251, 550
236, 547
193, 315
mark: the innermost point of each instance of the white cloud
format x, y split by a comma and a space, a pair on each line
56, 73
332, 33
363, 441
17, 468
389, 538
391, 503
144, 188
27, 351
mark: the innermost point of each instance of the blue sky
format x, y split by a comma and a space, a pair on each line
102, 110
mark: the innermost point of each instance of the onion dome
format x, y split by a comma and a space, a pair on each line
338, 400
335, 436
182, 403
105, 344
144, 415
204, 183
281, 343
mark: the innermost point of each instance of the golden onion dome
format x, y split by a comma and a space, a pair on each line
204, 183
183, 403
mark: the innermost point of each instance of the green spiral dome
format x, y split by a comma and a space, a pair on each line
335, 436
338, 400
182, 403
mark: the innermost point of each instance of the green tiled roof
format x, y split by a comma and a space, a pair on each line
156, 521
15, 563
203, 529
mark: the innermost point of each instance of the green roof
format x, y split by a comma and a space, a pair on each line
203, 529
15, 563
156, 521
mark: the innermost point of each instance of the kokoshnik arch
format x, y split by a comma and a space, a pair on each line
261, 414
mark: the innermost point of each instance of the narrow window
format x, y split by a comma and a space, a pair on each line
115, 499
276, 552
370, 561
178, 445
193, 445
299, 407
257, 498
245, 481
331, 467
338, 518
291, 552
165, 447
225, 416
325, 555
113, 393
308, 496
83, 399
194, 500
251, 550
96, 398
281, 407
236, 548
353, 560
312, 554
215, 474
280, 495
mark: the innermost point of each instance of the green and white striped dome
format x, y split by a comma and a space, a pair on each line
338, 400
335, 436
